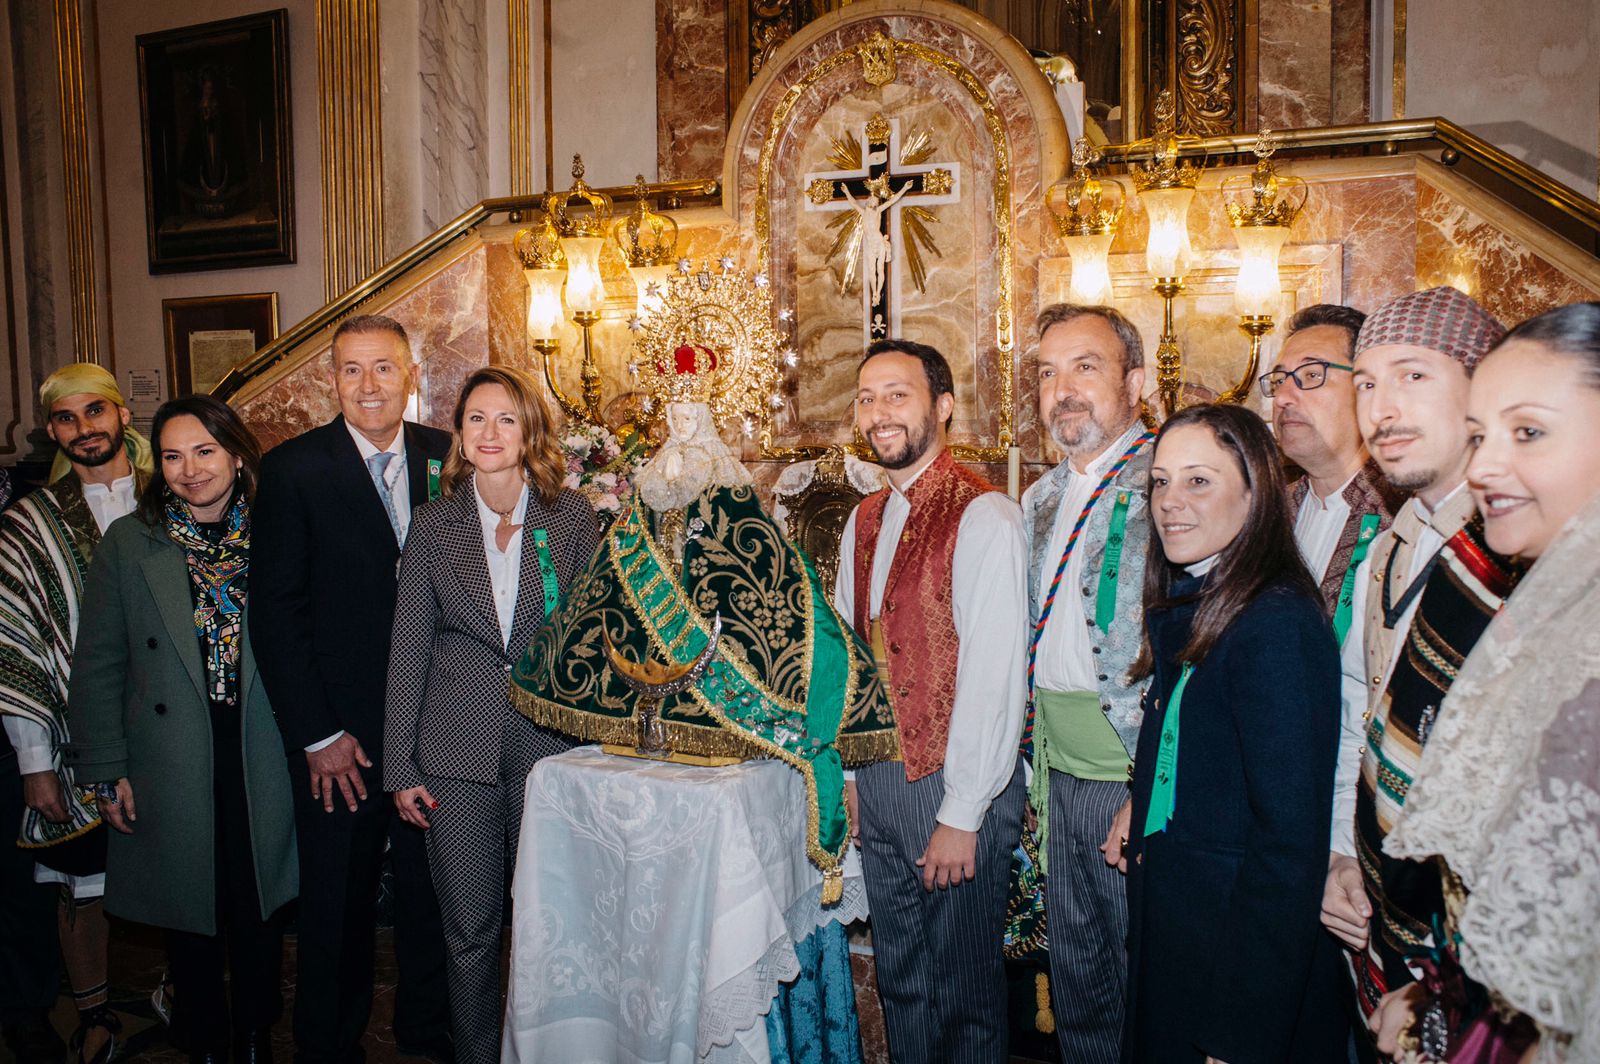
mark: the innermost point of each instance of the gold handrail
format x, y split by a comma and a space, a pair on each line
1457, 145
671, 192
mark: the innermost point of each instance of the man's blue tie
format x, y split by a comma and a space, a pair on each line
377, 465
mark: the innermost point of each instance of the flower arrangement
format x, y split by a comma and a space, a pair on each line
602, 466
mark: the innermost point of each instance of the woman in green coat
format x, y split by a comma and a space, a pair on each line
172, 725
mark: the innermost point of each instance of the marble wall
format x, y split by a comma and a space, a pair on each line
452, 60
692, 104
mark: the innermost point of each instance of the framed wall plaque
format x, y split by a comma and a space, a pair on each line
218, 158
209, 335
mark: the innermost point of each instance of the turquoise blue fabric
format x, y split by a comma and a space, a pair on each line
813, 1019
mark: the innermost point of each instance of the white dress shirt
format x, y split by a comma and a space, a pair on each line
394, 476
109, 502
1354, 690
505, 566
1318, 526
989, 594
1065, 661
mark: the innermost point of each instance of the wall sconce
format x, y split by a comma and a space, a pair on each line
1089, 225
544, 267
649, 245
1261, 207
1166, 188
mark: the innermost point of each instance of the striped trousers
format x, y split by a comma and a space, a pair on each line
1086, 911
941, 973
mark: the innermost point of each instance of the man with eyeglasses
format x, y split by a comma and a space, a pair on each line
1343, 501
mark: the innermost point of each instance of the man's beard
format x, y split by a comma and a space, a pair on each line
91, 460
1089, 435
1412, 481
916, 445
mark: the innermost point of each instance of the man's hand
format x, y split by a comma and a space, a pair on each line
1394, 1016
120, 814
1346, 911
950, 859
852, 811
340, 762
409, 802
42, 791
1115, 848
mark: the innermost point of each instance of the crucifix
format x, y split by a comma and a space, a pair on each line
881, 191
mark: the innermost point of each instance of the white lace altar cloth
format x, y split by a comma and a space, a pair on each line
656, 908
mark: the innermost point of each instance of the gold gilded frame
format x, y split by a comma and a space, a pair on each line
1005, 361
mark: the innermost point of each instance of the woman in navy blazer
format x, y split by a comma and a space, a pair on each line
482, 568
1233, 781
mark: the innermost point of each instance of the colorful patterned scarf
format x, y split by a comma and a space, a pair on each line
218, 572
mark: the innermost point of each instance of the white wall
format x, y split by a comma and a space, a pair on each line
1525, 77
136, 294
603, 89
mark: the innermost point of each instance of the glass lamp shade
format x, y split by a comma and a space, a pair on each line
1258, 289
585, 290
1091, 276
544, 302
650, 283
1168, 253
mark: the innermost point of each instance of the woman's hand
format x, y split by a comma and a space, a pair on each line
1394, 1015
409, 804
120, 814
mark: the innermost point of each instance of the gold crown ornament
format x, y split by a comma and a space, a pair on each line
644, 237
713, 341
1164, 170
593, 207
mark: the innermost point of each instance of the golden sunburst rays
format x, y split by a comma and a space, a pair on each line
846, 239
914, 222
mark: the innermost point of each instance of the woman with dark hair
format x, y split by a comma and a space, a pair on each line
1507, 794
483, 567
174, 731
1227, 958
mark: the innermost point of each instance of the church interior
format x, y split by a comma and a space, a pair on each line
194, 197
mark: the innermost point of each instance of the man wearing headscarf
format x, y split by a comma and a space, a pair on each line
1420, 601
46, 543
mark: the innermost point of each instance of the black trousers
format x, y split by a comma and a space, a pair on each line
30, 954
246, 946
341, 856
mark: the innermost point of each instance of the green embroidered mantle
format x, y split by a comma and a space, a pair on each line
789, 681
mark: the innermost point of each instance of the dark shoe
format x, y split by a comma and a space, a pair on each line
102, 1017
34, 1040
440, 1052
253, 1047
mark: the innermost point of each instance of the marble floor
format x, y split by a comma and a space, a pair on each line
138, 960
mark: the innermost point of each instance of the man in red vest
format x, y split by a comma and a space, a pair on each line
933, 573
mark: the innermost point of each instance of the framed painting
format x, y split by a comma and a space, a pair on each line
218, 155
208, 335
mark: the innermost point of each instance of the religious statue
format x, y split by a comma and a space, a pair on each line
877, 247
695, 581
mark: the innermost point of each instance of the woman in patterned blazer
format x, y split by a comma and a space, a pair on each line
483, 566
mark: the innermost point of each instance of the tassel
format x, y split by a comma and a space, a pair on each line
1043, 1019
833, 885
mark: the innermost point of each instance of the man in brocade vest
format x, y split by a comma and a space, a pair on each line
932, 571
1423, 596
1343, 501
1087, 536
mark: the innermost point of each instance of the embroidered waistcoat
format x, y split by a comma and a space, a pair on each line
917, 613
1462, 595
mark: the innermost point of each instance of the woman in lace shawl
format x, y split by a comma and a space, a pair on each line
1508, 791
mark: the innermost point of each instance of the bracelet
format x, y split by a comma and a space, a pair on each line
107, 792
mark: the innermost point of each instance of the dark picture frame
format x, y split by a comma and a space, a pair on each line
218, 153
198, 366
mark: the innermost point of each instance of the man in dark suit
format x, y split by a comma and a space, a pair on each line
331, 514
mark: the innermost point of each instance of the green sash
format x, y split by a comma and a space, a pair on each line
1105, 600
1347, 590
1164, 790
547, 572
1071, 734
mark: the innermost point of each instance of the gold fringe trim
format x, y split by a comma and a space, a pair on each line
23, 844
865, 748
711, 740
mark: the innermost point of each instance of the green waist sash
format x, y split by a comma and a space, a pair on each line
789, 680
1072, 735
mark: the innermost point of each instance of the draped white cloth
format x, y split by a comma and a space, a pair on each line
657, 908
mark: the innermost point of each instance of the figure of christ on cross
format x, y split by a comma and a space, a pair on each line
874, 194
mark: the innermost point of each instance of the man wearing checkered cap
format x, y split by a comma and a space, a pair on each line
1421, 599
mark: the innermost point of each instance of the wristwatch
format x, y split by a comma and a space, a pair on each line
107, 792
